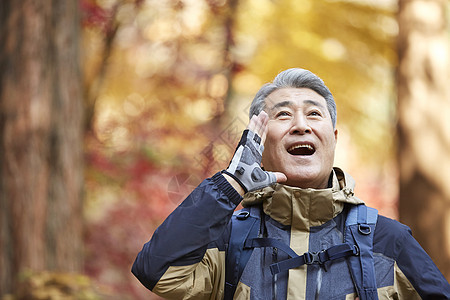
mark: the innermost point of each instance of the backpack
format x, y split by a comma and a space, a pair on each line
357, 248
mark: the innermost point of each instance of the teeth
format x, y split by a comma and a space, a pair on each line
301, 146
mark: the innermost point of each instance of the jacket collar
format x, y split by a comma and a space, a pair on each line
305, 208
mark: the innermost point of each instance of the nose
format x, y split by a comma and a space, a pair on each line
300, 125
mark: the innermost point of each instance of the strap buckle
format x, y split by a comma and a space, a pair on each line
313, 258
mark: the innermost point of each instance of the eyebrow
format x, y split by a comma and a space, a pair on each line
286, 103
289, 103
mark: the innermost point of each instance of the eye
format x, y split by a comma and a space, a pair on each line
315, 113
283, 114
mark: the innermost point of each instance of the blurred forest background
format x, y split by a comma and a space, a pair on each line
112, 111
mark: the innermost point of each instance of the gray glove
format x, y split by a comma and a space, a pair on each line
245, 167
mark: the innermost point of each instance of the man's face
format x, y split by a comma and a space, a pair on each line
300, 140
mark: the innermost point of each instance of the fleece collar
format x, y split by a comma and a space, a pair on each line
305, 208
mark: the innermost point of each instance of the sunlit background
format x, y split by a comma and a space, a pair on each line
168, 86
170, 83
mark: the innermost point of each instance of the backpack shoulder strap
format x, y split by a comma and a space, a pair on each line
245, 224
359, 230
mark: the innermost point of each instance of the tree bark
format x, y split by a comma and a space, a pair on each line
424, 125
41, 139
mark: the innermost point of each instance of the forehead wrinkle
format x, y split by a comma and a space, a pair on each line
291, 104
286, 103
314, 103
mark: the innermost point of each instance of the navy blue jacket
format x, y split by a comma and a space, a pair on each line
185, 259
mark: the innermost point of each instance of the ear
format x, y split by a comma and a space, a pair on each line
335, 135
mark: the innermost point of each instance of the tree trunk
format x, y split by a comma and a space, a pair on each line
41, 139
424, 125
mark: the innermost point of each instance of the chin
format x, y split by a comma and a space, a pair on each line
305, 179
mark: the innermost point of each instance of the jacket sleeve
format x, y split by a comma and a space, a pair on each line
415, 273
421, 271
184, 258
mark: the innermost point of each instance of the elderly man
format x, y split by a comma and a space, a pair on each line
302, 234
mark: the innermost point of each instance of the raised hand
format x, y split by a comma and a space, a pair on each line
245, 167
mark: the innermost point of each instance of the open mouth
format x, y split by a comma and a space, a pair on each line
301, 149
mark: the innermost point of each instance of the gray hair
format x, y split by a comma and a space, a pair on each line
294, 78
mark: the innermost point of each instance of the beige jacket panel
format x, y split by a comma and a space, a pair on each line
202, 281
